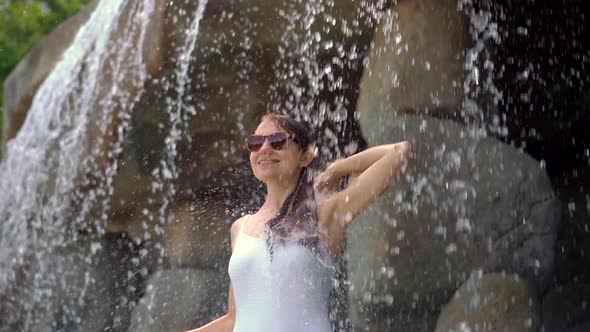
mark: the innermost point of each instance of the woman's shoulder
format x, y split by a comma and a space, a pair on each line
235, 229
237, 224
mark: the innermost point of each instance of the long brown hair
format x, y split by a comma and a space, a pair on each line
296, 219
297, 222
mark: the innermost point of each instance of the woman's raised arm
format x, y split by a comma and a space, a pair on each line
377, 168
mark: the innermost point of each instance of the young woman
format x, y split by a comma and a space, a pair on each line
285, 255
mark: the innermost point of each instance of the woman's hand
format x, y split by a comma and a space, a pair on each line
328, 180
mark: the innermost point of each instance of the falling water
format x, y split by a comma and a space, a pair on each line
479, 87
302, 78
58, 170
180, 112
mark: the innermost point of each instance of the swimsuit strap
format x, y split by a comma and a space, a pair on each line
244, 223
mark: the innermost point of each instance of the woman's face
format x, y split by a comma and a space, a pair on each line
275, 165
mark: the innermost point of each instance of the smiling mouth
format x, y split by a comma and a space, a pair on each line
267, 162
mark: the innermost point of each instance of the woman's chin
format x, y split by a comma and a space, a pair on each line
268, 175
271, 176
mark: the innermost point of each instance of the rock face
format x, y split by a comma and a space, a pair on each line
465, 204
199, 237
496, 302
416, 59
180, 299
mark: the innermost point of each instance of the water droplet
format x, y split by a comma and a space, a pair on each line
528, 323
451, 248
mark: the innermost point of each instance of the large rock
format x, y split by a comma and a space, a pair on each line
180, 299
417, 58
496, 302
466, 203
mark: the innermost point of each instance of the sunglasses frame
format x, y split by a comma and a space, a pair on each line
282, 142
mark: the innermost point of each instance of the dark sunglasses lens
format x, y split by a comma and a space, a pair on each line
278, 140
254, 143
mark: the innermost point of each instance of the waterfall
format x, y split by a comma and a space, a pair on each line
58, 170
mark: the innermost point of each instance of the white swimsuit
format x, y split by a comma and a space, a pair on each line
286, 294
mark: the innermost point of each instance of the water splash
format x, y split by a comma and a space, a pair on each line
303, 77
481, 94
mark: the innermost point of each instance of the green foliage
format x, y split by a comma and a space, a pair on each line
23, 23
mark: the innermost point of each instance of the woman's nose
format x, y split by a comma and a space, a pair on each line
265, 146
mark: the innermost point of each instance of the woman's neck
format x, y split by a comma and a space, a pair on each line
277, 192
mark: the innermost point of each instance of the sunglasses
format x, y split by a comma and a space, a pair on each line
277, 141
